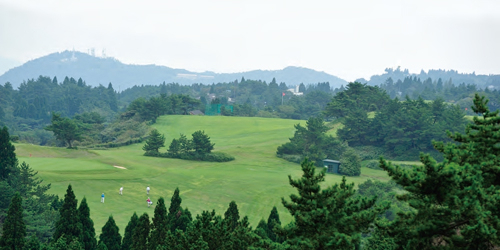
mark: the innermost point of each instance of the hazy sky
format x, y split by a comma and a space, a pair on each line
349, 39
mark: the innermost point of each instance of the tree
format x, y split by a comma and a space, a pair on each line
455, 202
68, 224
64, 129
159, 227
8, 159
332, 218
232, 216
110, 235
129, 230
102, 246
88, 239
32, 244
141, 233
154, 142
201, 143
177, 217
14, 229
272, 222
350, 163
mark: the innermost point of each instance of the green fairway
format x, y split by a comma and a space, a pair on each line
256, 180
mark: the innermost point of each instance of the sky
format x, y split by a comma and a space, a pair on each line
348, 39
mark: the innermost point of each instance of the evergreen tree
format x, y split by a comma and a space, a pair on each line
88, 239
455, 202
201, 143
272, 222
32, 244
232, 216
14, 229
261, 229
8, 159
332, 218
64, 129
110, 235
154, 142
159, 226
102, 246
141, 233
68, 223
129, 230
177, 217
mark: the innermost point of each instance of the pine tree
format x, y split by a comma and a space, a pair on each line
332, 218
232, 216
68, 223
159, 227
14, 229
272, 222
201, 143
177, 217
455, 202
129, 230
141, 233
154, 142
32, 244
110, 235
8, 159
102, 246
88, 239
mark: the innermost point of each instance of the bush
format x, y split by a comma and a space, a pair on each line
350, 163
212, 157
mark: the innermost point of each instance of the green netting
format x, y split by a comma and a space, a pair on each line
215, 109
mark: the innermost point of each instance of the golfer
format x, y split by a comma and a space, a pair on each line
102, 198
121, 191
149, 202
147, 190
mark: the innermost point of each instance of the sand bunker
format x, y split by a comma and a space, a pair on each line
120, 167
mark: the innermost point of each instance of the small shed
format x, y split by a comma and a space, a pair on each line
331, 166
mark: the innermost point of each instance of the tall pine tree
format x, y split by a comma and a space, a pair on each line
68, 223
141, 233
14, 229
129, 230
159, 227
455, 202
88, 239
110, 235
332, 218
232, 216
272, 222
8, 160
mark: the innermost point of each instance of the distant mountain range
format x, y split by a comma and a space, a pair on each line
96, 70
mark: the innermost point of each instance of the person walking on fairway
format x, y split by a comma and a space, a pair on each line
102, 198
147, 190
149, 202
121, 191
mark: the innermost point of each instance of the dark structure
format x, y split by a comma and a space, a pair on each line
331, 166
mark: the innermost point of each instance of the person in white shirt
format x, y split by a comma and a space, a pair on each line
121, 191
147, 190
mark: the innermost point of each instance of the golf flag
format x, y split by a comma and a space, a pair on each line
283, 93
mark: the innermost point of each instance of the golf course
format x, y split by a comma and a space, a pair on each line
256, 180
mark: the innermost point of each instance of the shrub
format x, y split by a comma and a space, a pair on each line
350, 163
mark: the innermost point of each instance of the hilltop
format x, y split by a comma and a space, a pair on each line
98, 70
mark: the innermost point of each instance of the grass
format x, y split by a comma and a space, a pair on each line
256, 179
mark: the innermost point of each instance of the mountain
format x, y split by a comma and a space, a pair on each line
96, 70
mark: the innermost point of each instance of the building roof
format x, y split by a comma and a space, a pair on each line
332, 161
196, 112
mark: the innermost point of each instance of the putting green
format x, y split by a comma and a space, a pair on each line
256, 180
